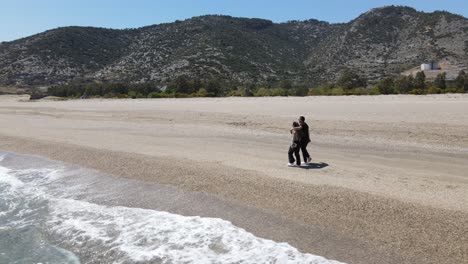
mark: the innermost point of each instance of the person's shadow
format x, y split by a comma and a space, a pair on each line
314, 166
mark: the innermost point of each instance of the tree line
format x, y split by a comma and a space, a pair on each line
349, 83
180, 87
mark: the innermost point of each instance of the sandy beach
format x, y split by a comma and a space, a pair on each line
388, 183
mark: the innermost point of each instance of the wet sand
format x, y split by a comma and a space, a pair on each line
389, 182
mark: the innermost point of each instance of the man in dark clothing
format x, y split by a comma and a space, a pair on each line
305, 139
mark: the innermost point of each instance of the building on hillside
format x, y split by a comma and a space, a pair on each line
430, 66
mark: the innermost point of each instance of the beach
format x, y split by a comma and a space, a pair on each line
388, 182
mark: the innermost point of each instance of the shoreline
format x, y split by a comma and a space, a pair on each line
346, 213
151, 210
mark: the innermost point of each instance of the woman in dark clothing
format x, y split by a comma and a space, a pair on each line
295, 146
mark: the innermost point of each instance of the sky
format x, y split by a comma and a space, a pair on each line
21, 18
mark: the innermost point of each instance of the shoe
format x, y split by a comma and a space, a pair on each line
292, 165
309, 159
304, 163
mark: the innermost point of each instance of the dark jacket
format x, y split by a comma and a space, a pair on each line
305, 133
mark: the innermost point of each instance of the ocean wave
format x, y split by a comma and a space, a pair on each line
133, 234
117, 234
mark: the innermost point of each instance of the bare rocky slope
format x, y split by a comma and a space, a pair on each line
382, 41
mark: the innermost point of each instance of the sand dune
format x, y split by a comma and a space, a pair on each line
389, 182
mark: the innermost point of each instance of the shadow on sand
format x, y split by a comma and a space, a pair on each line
313, 166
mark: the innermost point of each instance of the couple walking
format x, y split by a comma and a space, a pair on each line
300, 134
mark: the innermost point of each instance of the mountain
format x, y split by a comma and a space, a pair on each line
382, 41
390, 40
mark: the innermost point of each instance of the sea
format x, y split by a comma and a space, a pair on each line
51, 212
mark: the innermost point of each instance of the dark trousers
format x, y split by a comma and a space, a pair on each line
295, 150
305, 153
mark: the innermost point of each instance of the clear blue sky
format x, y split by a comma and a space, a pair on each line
20, 18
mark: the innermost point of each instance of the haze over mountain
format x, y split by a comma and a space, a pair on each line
380, 42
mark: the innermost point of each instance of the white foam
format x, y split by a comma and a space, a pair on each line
7, 197
149, 235
33, 176
7, 178
124, 234
21, 197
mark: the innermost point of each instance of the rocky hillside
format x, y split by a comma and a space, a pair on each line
380, 42
391, 40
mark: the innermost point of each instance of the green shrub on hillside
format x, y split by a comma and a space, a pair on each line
350, 80
300, 90
337, 91
134, 95
417, 91
374, 91
440, 80
356, 91
154, 95
454, 90
262, 92
462, 81
322, 90
316, 91
386, 86
420, 80
240, 92
201, 93
404, 84
434, 90
278, 92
